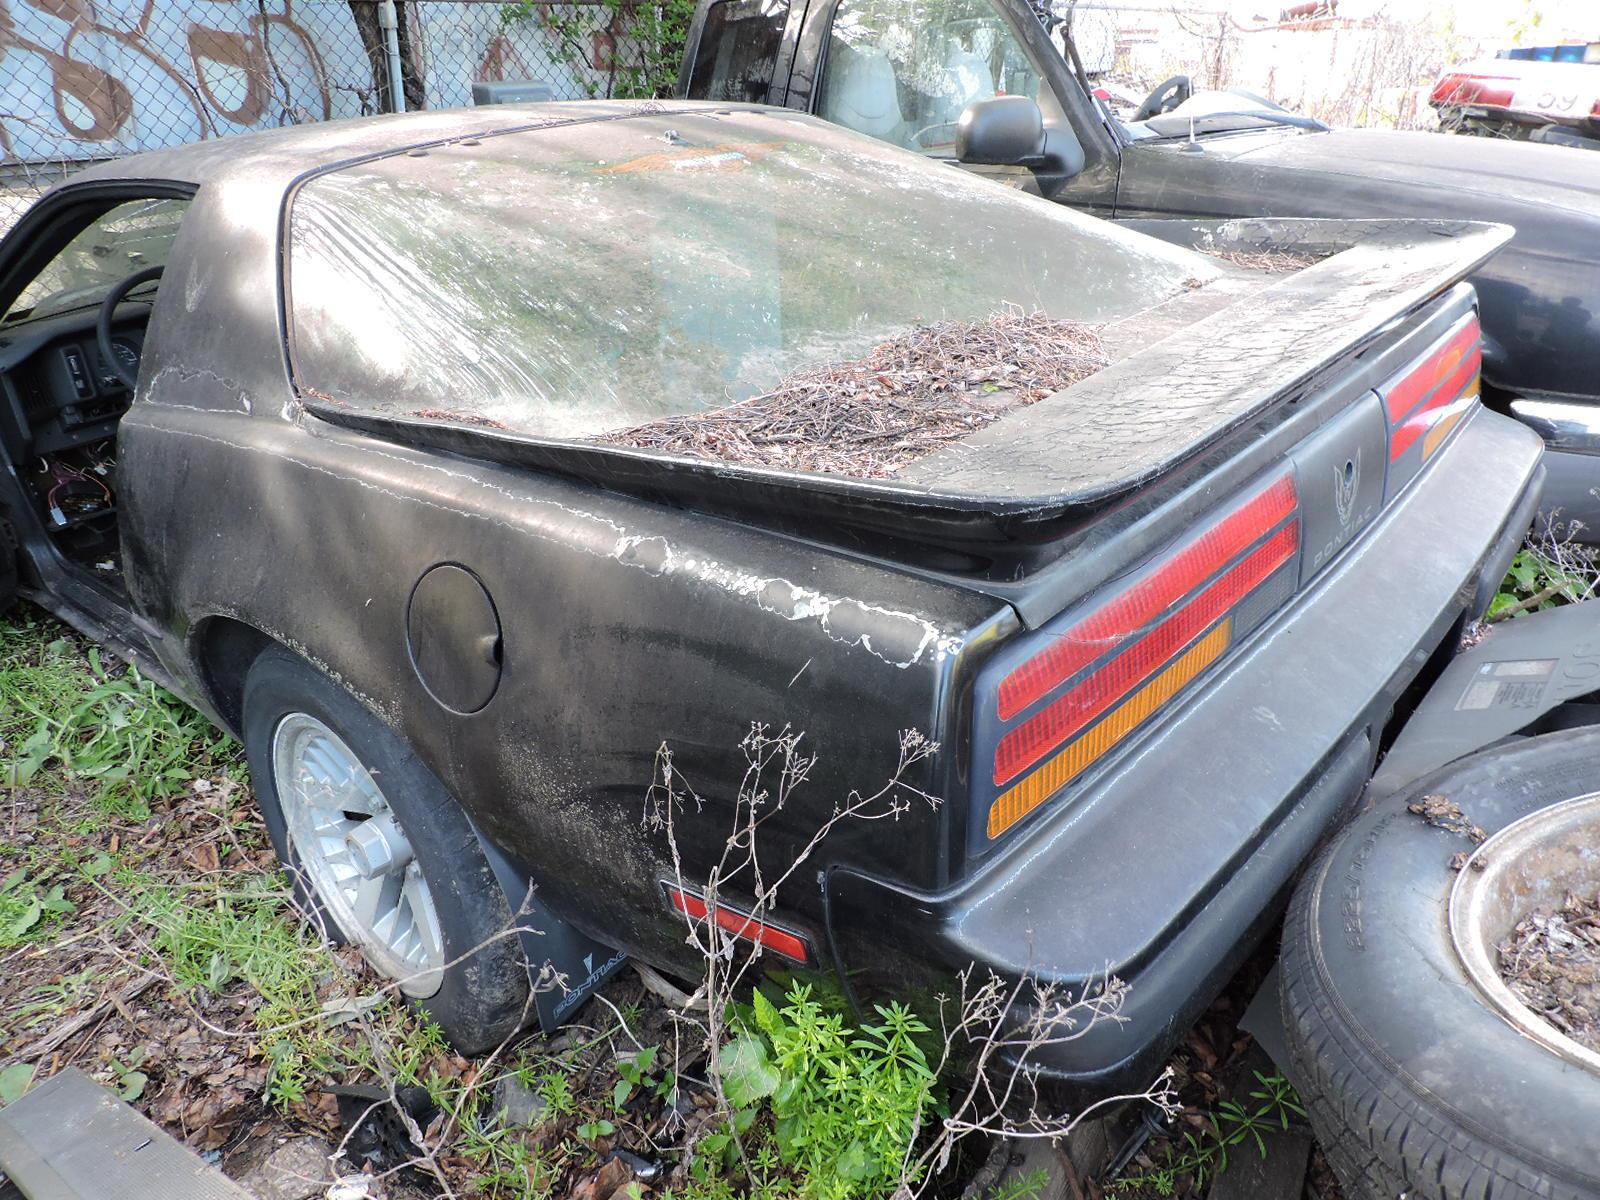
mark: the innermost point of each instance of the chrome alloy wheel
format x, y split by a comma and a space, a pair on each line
355, 855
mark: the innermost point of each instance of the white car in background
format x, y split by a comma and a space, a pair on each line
1551, 98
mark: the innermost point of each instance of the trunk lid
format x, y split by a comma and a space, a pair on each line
1195, 382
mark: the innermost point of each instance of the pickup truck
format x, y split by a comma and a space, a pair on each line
905, 71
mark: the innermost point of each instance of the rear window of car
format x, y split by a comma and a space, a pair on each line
569, 281
738, 50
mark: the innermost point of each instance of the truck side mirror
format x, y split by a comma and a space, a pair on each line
1004, 131
1010, 131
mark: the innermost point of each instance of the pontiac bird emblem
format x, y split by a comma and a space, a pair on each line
1346, 481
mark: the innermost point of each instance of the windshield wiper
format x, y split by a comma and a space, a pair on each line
1259, 114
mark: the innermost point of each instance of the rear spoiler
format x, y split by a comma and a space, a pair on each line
1051, 463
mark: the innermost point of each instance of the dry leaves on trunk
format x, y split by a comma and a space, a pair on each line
910, 396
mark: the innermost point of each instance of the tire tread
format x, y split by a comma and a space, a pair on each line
1380, 1139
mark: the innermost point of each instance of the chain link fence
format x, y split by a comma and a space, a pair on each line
85, 80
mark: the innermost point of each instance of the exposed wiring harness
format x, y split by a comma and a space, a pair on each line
63, 476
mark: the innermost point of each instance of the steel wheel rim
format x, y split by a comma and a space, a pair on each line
1525, 866
332, 809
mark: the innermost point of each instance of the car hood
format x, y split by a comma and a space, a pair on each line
1521, 173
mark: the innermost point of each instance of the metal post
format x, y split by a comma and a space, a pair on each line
389, 22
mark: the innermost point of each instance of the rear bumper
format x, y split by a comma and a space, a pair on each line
1164, 873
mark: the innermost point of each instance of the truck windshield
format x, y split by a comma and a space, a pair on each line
571, 280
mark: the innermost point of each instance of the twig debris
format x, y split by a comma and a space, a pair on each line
1444, 813
1552, 962
908, 397
1268, 262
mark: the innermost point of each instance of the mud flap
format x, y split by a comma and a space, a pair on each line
577, 960
8, 562
1508, 684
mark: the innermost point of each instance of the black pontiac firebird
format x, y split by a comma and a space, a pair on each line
309, 425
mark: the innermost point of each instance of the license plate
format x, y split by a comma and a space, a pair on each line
1552, 103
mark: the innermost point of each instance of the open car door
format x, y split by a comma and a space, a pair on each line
78, 276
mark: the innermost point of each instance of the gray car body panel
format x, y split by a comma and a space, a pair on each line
632, 619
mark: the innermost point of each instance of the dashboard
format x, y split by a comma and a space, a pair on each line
56, 392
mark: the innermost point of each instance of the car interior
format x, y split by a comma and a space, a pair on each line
909, 86
70, 348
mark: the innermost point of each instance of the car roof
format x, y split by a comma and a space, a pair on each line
278, 157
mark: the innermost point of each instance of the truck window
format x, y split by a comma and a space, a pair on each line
738, 50
902, 70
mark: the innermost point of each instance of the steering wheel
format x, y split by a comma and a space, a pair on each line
945, 130
1166, 97
108, 310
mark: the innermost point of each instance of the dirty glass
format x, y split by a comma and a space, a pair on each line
903, 71
738, 50
122, 241
573, 280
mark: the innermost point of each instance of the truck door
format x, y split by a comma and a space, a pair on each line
740, 50
903, 70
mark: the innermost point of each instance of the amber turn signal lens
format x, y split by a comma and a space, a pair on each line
1019, 801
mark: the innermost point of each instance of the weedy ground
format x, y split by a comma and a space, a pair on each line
148, 938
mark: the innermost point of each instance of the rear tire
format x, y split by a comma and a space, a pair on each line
1413, 1084
477, 1001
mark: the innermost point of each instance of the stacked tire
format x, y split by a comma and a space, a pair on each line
1415, 1086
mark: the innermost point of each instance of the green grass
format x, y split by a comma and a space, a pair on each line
95, 747
211, 937
28, 908
70, 718
1199, 1156
1545, 575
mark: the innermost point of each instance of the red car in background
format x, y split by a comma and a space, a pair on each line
1542, 94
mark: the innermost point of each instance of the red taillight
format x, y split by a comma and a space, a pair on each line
1458, 89
1114, 622
742, 925
1431, 395
1431, 410
1070, 713
1447, 90
1104, 674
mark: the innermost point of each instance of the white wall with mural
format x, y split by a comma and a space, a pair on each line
84, 79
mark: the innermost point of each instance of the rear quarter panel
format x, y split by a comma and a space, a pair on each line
626, 626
